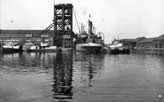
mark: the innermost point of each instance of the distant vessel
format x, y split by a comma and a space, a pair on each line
117, 48
10, 47
42, 47
89, 47
89, 42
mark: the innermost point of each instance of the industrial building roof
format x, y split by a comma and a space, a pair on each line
146, 40
161, 37
21, 31
128, 40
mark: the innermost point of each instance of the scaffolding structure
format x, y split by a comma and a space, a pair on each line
63, 24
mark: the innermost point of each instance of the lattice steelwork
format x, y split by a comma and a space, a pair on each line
62, 23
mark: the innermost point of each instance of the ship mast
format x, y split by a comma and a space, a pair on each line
89, 27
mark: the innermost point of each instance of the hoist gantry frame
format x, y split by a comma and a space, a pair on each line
63, 24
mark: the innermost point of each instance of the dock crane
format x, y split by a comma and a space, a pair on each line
62, 24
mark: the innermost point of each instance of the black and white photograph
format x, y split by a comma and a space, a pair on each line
81, 50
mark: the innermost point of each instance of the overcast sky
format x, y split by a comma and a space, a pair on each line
123, 18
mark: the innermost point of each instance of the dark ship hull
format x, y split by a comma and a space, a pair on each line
89, 47
118, 51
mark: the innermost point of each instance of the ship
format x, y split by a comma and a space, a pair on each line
10, 47
42, 47
118, 48
89, 42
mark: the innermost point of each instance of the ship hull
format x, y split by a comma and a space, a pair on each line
89, 47
11, 49
119, 51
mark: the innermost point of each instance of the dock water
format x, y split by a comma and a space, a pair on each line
81, 77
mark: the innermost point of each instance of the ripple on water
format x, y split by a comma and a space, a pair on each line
79, 77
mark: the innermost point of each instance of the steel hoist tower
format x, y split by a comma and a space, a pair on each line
63, 24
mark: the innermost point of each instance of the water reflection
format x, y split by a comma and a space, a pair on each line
79, 77
27, 62
95, 66
62, 86
88, 67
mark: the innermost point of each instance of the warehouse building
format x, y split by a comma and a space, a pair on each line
21, 35
145, 43
159, 41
